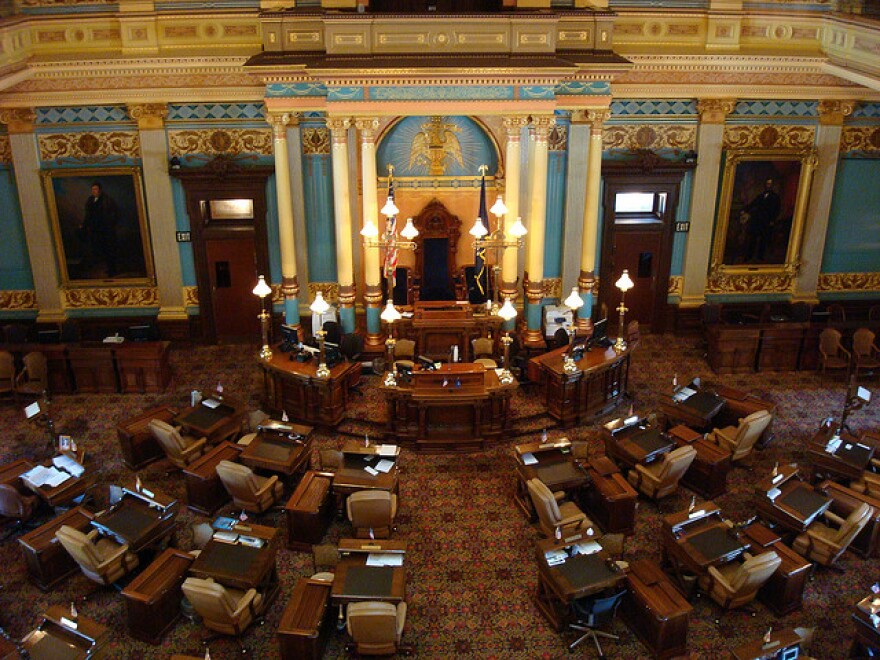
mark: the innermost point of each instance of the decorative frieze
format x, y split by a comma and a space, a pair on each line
5, 150
632, 137
315, 141
769, 136
111, 297
89, 147
18, 300
860, 140
553, 287
848, 282
220, 141
722, 282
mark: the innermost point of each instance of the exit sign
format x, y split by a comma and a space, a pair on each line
184, 237
683, 226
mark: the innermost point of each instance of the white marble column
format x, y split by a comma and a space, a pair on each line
370, 204
512, 186
286, 240
342, 210
537, 221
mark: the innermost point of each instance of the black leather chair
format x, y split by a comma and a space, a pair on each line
334, 334
592, 613
351, 345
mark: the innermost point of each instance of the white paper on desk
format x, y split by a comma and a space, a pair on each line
529, 458
385, 559
384, 465
210, 403
587, 548
697, 514
251, 541
848, 447
371, 471
684, 394
226, 537
859, 444
56, 477
66, 463
555, 556
773, 493
36, 476
778, 478
386, 450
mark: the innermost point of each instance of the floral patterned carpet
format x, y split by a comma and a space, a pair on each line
471, 570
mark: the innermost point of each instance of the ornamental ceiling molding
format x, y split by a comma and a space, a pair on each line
769, 136
111, 297
632, 137
89, 147
18, 300
220, 141
848, 282
864, 140
720, 282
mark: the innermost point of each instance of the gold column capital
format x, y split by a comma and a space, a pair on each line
338, 125
279, 121
367, 127
18, 120
715, 111
542, 124
149, 116
513, 124
832, 113
596, 118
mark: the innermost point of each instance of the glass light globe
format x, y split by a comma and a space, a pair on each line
262, 289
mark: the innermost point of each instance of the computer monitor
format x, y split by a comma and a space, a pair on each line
289, 338
600, 331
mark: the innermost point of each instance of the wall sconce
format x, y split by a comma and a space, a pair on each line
262, 290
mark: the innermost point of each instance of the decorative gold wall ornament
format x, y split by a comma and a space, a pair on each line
862, 139
849, 282
5, 150
111, 297
149, 115
632, 137
435, 146
315, 141
89, 147
715, 111
761, 217
330, 291
20, 299
553, 287
220, 141
676, 285
191, 296
769, 136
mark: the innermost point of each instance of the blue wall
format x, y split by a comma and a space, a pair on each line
852, 244
15, 267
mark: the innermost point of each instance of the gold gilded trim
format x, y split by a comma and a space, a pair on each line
21, 299
769, 136
848, 282
191, 296
5, 150
220, 141
553, 287
111, 297
89, 146
643, 136
721, 282
864, 139
330, 291
676, 285
315, 141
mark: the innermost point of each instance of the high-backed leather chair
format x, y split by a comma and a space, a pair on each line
102, 560
7, 373
249, 428
740, 440
661, 477
180, 449
736, 584
825, 544
483, 349
868, 483
553, 513
33, 379
376, 628
371, 509
864, 351
249, 491
831, 354
16, 505
224, 610
404, 353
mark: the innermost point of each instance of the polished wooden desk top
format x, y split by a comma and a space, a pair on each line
307, 371
352, 475
66, 491
235, 564
306, 608
760, 650
162, 574
851, 458
643, 445
555, 466
140, 520
595, 359
660, 596
205, 466
10, 473
204, 421
37, 540
352, 446
440, 385
797, 503
56, 640
700, 539
578, 575
699, 408
279, 453
354, 581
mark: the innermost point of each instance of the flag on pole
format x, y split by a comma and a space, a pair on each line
481, 274
391, 252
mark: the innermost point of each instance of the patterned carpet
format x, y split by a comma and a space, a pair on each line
471, 569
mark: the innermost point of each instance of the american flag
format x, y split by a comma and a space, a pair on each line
391, 252
481, 275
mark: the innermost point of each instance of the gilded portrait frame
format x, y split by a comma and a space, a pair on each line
741, 248
87, 258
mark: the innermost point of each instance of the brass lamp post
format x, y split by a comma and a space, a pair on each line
624, 284
262, 290
498, 240
390, 315
320, 306
573, 302
507, 313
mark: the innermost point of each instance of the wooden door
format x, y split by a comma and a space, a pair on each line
232, 271
639, 212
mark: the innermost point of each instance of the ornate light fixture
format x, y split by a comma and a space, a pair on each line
497, 239
624, 284
390, 315
262, 290
573, 302
320, 306
507, 313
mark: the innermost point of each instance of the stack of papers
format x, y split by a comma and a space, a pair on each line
251, 541
211, 403
384, 465
697, 514
587, 548
386, 450
773, 493
833, 444
529, 458
385, 559
683, 394
43, 476
226, 537
371, 471
555, 557
66, 463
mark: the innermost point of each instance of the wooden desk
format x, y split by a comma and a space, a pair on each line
138, 446
205, 492
143, 366
139, 519
48, 563
279, 453
610, 500
54, 640
65, 492
697, 411
598, 386
797, 504
576, 577
309, 510
739, 404
460, 406
216, 424
555, 467
435, 330
635, 443
843, 501
11, 472
294, 387
866, 637
354, 581
93, 367
655, 610
707, 474
848, 461
780, 641
152, 599
241, 566
784, 591
352, 476
305, 623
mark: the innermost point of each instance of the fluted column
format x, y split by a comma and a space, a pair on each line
160, 200
37, 232
831, 116
342, 210
589, 236
372, 274
512, 187
537, 212
289, 282
710, 142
